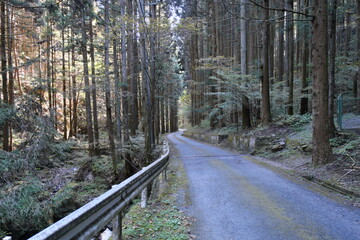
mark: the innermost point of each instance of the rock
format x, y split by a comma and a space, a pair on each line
278, 146
106, 234
305, 148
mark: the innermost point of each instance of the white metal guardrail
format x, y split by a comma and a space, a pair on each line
90, 219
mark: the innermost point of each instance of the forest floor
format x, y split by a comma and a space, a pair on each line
286, 145
47, 193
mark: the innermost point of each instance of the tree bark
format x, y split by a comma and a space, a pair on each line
290, 55
109, 123
89, 120
246, 115
93, 88
65, 135
4, 73
74, 86
322, 152
148, 108
332, 59
132, 75
118, 124
304, 102
265, 83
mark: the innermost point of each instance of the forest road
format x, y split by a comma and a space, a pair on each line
233, 198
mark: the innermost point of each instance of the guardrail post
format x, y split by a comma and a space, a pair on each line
163, 175
144, 198
117, 227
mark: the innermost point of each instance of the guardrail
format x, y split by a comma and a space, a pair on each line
90, 219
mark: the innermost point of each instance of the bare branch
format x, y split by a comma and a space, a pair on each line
280, 9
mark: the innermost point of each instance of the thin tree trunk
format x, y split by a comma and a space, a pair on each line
4, 73
304, 102
281, 49
265, 83
89, 119
246, 115
332, 57
74, 86
118, 124
10, 32
358, 49
109, 123
290, 55
64, 82
149, 131
93, 89
124, 75
132, 76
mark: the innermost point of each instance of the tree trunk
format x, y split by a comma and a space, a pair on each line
10, 32
322, 152
109, 123
265, 83
290, 55
74, 86
358, 48
246, 115
124, 76
4, 73
89, 121
64, 80
332, 57
132, 74
304, 102
149, 130
118, 124
281, 49
93, 89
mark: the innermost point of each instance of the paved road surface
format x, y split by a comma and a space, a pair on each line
233, 198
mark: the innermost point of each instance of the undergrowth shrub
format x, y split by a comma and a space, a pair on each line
294, 121
21, 212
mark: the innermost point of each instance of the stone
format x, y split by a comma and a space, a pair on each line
278, 146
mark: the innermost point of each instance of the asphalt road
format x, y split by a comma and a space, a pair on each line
233, 198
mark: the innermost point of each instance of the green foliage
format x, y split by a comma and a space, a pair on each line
164, 223
345, 146
6, 113
21, 210
11, 166
294, 121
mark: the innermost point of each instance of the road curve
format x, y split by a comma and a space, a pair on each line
233, 198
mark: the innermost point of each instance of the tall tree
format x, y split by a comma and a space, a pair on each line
11, 95
265, 81
290, 54
304, 102
132, 67
63, 72
93, 83
118, 124
246, 117
4, 72
109, 123
322, 152
332, 50
148, 106
84, 9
